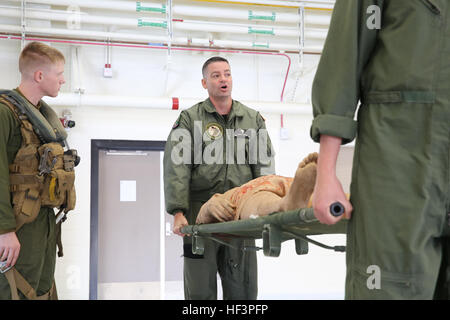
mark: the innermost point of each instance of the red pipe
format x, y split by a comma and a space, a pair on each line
161, 47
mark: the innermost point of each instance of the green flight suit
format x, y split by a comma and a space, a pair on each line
37, 257
400, 192
189, 184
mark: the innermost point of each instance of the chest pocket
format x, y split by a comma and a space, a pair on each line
232, 146
245, 146
213, 143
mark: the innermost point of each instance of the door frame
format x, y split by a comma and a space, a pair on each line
96, 146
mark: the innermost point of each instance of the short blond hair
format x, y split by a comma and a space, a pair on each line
37, 54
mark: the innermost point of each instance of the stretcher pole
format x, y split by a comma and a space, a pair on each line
273, 229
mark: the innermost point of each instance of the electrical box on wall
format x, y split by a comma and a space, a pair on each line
284, 134
107, 71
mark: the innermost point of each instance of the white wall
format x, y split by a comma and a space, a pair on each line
144, 72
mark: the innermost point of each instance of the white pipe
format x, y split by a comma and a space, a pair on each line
250, 29
154, 39
282, 3
131, 5
86, 34
108, 5
247, 44
77, 71
315, 34
239, 14
235, 14
75, 75
197, 11
92, 100
62, 16
131, 22
321, 20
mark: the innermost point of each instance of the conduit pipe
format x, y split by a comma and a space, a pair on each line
199, 11
63, 16
155, 39
267, 3
91, 100
131, 5
250, 15
165, 48
84, 33
238, 29
187, 25
235, 14
124, 6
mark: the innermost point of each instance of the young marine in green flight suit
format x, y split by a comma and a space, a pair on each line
394, 57
188, 184
32, 248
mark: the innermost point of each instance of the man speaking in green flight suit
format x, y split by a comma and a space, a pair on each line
210, 150
393, 56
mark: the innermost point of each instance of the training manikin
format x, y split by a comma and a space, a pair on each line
263, 195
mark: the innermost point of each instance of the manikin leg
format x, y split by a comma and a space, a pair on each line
264, 202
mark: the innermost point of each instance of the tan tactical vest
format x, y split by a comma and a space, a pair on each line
40, 175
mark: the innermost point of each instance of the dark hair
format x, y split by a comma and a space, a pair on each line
211, 60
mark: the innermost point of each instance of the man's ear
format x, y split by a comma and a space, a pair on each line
204, 83
38, 76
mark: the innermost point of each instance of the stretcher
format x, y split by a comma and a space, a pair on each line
273, 229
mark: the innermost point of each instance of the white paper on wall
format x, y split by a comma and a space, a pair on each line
127, 190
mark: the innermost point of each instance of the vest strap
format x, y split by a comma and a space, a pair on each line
17, 282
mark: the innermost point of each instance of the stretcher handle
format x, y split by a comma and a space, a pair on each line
337, 209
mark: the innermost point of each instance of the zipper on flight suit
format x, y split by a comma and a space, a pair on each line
225, 123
